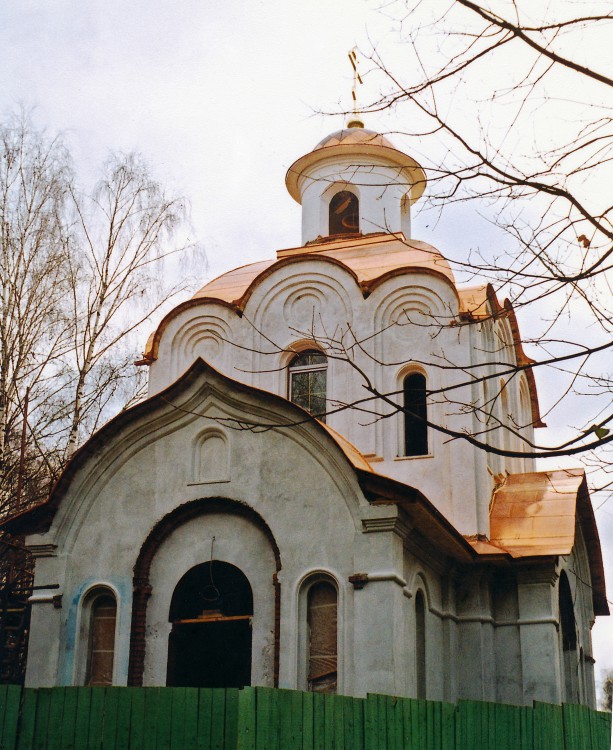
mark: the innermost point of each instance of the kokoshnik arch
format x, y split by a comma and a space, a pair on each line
329, 552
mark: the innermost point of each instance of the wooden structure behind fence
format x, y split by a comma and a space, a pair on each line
73, 718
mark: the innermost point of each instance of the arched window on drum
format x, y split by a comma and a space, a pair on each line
344, 213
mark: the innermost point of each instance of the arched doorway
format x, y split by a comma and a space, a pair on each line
210, 641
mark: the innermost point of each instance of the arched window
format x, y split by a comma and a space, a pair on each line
210, 641
101, 639
308, 381
415, 415
571, 665
344, 213
322, 606
420, 645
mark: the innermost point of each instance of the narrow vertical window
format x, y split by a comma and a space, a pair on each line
415, 415
344, 213
101, 643
308, 382
420, 645
322, 605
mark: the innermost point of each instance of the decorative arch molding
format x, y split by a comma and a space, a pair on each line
202, 336
334, 291
419, 582
142, 569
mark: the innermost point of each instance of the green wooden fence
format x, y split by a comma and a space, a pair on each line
73, 718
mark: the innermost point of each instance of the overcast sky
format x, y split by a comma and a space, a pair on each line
221, 97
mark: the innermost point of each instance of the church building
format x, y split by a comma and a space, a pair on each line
294, 504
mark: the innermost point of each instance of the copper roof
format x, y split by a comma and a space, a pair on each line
370, 259
536, 515
349, 136
362, 143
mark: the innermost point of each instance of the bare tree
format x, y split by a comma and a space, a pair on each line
79, 273
34, 178
516, 109
118, 242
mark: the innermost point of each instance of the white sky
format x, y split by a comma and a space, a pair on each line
220, 97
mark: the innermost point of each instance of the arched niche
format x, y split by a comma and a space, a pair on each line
210, 642
211, 457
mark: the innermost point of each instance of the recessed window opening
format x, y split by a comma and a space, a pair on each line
210, 641
415, 415
322, 611
420, 645
344, 213
308, 382
101, 641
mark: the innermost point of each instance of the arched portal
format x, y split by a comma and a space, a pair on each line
210, 641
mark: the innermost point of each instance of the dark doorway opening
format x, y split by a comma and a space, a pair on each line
210, 641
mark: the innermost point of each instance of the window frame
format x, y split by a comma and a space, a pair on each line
404, 453
355, 200
293, 369
85, 633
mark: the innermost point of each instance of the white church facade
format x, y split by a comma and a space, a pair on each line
283, 510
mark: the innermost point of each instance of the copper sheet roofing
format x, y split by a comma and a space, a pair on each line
349, 136
536, 515
356, 459
368, 258
481, 303
362, 143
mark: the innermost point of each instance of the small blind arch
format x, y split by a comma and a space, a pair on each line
415, 415
344, 213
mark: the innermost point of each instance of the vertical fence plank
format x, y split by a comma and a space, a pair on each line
9, 708
124, 718
137, 717
308, 741
205, 707
218, 718
231, 718
191, 719
271, 719
42, 719
297, 720
349, 721
247, 727
448, 717
3, 707
69, 719
109, 722
27, 725
177, 719
81, 724
263, 698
